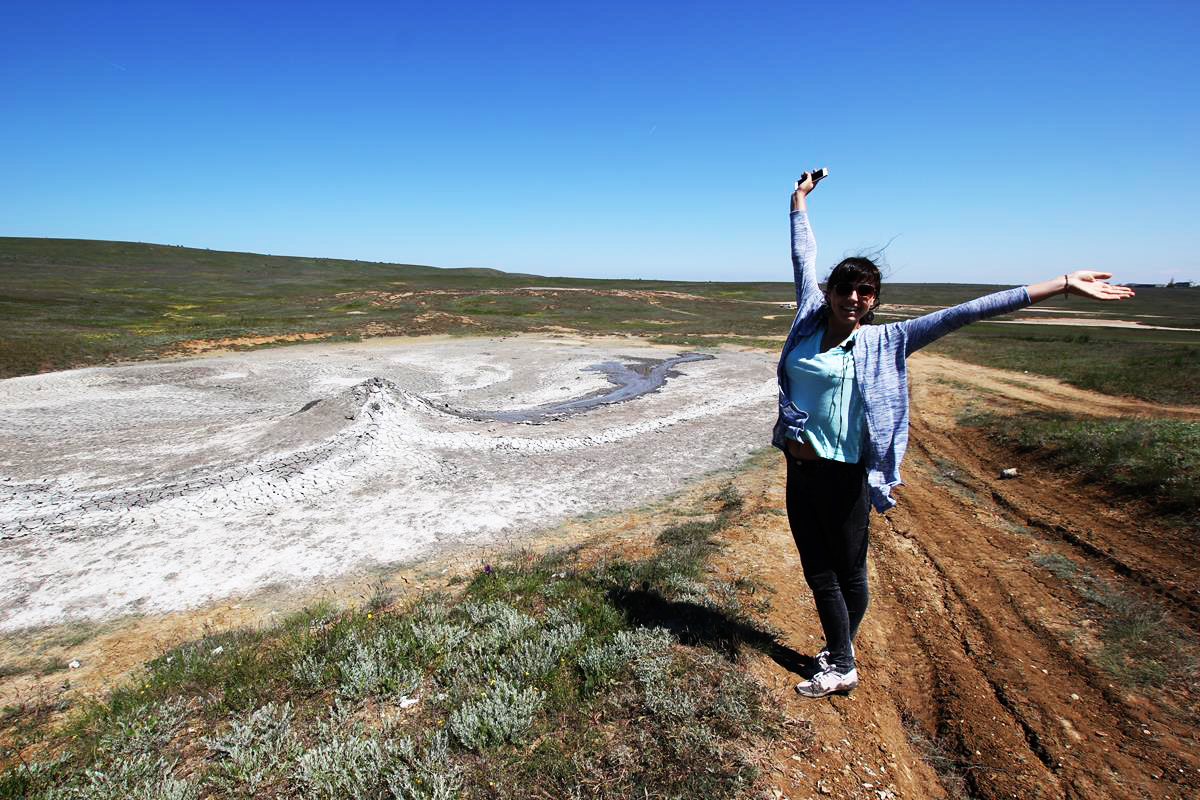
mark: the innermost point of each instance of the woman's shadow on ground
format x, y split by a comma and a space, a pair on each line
695, 624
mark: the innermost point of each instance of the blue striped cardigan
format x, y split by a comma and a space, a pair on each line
879, 356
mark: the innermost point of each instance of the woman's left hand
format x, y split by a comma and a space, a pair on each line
1086, 283
1082, 282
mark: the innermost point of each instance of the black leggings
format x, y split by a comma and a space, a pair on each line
828, 509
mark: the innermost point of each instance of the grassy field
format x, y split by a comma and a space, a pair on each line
67, 303
71, 303
1153, 365
539, 677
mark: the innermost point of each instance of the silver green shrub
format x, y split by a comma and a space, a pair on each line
374, 667
129, 761
660, 693
564, 614
250, 754
598, 662
436, 638
724, 595
139, 777
144, 731
430, 774
496, 627
533, 658
685, 588
732, 702
351, 764
503, 714
346, 766
39, 773
434, 607
503, 623
309, 671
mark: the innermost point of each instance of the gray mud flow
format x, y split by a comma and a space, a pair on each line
147, 488
632, 379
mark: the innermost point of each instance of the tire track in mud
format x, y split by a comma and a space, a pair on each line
943, 627
999, 680
1183, 592
977, 663
967, 560
1185, 605
1133, 549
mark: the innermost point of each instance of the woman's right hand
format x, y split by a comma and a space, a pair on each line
803, 186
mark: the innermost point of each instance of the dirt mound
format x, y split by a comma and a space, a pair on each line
365, 407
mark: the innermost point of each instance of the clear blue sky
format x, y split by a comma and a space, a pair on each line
993, 142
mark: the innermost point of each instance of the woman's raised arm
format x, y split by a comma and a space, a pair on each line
1082, 282
804, 247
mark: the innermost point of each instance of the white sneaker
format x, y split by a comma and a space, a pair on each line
828, 682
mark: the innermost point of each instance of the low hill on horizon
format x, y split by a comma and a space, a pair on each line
77, 302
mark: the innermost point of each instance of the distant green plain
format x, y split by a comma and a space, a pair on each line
70, 303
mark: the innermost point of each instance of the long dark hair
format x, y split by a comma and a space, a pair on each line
858, 269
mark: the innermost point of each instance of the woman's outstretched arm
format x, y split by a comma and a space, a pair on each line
930, 327
1083, 282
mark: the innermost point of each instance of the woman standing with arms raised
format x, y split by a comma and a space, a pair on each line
843, 420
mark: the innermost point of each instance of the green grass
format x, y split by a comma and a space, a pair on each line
538, 678
68, 303
1157, 460
1157, 366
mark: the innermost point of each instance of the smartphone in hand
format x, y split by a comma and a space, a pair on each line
816, 175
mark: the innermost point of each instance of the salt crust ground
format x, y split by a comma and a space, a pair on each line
161, 486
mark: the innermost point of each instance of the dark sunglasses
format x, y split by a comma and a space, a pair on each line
864, 289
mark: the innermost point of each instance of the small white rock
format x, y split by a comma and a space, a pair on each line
74, 663
218, 650
408, 702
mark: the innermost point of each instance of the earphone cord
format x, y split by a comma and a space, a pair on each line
838, 402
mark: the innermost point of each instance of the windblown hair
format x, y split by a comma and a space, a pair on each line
858, 269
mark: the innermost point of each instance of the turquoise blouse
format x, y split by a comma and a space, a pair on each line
823, 384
